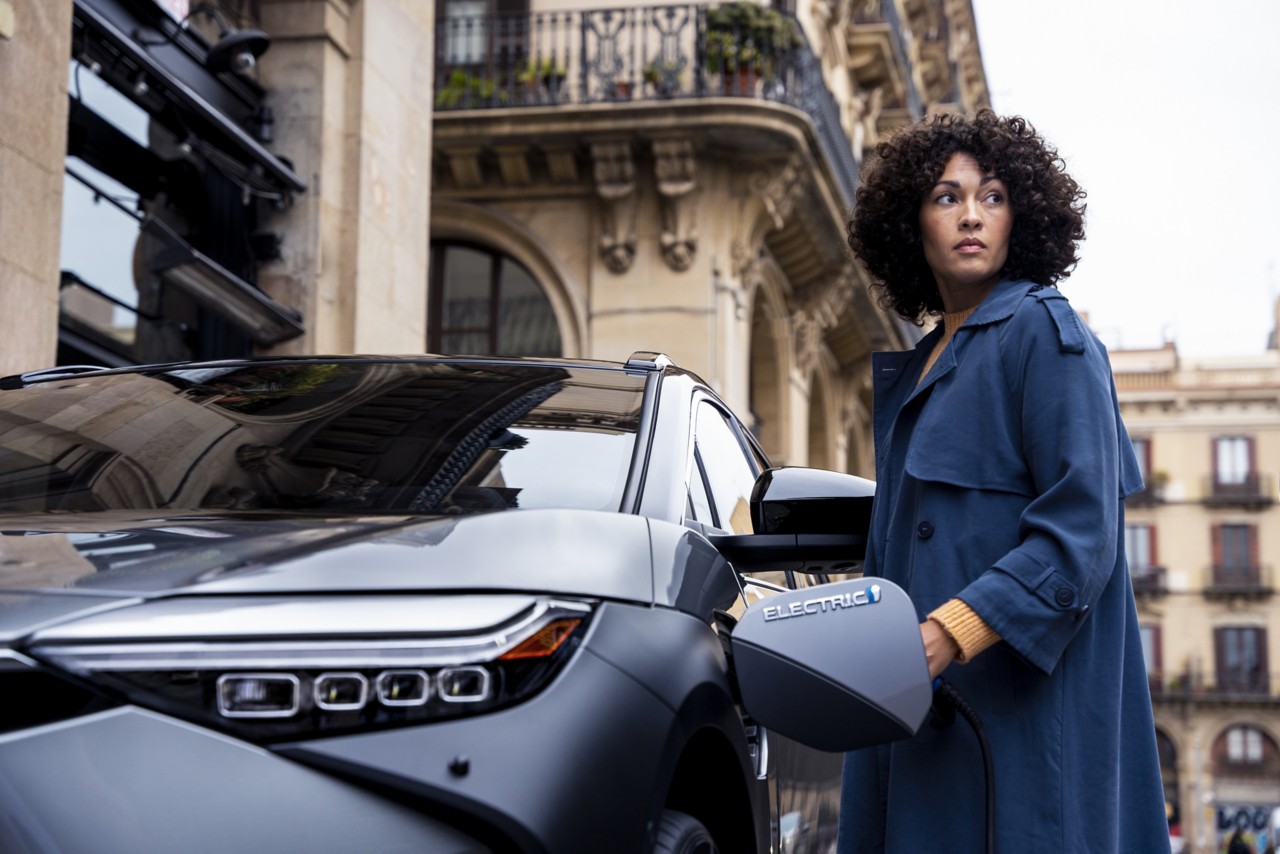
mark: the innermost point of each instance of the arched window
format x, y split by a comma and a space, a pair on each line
1245, 751
484, 302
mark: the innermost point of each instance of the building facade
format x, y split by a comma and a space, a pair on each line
677, 178
1202, 541
209, 179
205, 179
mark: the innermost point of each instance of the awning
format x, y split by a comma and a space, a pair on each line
154, 62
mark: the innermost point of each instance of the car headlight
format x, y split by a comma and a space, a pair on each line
270, 689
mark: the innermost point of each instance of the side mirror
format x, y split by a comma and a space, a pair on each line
836, 667
804, 520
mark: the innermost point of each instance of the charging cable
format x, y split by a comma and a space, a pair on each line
947, 702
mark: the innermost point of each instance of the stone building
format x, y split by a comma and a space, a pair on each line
202, 179
192, 180
1202, 541
677, 178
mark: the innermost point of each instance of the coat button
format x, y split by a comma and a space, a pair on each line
924, 530
1064, 597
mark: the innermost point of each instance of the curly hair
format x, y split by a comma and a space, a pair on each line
884, 230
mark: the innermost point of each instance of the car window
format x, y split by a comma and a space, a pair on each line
699, 505
731, 473
324, 437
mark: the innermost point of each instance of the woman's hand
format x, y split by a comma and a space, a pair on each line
939, 649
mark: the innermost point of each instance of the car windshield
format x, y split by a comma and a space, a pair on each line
353, 437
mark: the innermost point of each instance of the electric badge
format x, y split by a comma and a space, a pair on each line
823, 604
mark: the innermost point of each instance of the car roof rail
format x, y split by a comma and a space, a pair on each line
59, 371
649, 361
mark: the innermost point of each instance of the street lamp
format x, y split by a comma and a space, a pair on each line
236, 50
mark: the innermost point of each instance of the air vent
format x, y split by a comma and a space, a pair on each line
35, 697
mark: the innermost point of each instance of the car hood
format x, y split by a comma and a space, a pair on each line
85, 558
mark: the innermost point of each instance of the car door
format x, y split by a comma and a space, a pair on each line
804, 783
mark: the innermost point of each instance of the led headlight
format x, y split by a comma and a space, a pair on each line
269, 689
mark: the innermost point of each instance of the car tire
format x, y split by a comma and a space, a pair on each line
679, 833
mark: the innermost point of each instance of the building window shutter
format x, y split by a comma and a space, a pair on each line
1216, 539
1254, 556
1151, 546
1142, 451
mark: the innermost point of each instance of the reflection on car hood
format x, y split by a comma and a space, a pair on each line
570, 552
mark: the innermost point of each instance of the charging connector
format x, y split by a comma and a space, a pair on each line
947, 703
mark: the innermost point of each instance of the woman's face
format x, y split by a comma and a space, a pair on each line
966, 221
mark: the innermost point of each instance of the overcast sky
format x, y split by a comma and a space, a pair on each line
1164, 112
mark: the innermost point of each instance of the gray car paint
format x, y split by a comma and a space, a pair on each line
129, 780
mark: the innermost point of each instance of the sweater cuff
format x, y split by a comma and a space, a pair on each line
963, 625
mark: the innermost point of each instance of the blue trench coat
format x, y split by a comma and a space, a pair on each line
1001, 480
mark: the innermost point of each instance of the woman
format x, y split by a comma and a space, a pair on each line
1002, 467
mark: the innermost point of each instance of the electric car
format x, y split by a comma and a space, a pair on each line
408, 604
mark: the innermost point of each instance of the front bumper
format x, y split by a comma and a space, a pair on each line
129, 780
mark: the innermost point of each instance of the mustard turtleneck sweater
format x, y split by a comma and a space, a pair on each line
961, 623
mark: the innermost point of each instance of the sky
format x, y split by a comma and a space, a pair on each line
1165, 112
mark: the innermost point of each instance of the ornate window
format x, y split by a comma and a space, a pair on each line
484, 302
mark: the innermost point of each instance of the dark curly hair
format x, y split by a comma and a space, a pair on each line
884, 230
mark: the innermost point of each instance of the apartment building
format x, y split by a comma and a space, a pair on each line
1203, 540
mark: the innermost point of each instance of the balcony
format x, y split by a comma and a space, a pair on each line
1253, 491
1148, 580
1149, 496
1248, 581
1222, 688
657, 57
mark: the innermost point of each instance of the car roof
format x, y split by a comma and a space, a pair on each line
641, 360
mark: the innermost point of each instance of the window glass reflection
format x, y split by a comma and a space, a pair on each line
484, 302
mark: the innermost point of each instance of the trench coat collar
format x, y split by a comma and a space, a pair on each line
1000, 303
892, 368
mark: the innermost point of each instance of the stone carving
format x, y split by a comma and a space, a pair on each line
865, 107
744, 261
780, 190
614, 169
674, 167
817, 314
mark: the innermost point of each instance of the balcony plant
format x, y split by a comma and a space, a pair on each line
745, 40
545, 71
663, 76
467, 90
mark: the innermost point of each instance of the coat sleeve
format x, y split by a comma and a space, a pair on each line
1037, 595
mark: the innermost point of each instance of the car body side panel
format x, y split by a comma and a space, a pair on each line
129, 780
689, 574
682, 661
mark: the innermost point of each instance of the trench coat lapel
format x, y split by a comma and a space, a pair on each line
999, 305
893, 380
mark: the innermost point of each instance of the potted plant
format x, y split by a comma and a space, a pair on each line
663, 76
465, 90
546, 71
744, 42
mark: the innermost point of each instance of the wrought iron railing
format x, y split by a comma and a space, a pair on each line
1252, 686
637, 54
1247, 579
1251, 489
1148, 580
1149, 495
